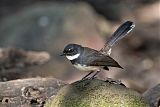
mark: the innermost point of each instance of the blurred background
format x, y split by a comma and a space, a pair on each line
49, 25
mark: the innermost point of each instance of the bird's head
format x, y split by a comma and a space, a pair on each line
72, 51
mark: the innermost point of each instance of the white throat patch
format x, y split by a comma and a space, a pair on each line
73, 57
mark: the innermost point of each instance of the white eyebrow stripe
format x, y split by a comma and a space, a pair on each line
73, 57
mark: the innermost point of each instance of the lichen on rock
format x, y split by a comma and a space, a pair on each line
96, 93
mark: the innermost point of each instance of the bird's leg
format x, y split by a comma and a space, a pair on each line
94, 75
87, 75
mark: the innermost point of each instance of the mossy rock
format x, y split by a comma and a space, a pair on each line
96, 93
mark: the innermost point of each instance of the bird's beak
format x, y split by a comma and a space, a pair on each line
63, 54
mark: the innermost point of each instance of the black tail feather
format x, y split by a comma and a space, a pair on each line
121, 32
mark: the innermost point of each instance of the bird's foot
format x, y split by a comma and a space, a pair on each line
110, 80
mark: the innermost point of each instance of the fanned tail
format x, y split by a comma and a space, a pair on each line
121, 32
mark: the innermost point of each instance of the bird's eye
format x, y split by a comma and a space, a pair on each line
70, 50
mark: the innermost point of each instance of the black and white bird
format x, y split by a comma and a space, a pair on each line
87, 59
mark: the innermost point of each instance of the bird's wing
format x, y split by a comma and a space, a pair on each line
95, 58
104, 61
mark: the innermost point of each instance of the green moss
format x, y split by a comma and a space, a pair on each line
96, 93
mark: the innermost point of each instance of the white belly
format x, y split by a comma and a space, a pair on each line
87, 68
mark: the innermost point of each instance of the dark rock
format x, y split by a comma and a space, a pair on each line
152, 96
28, 92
